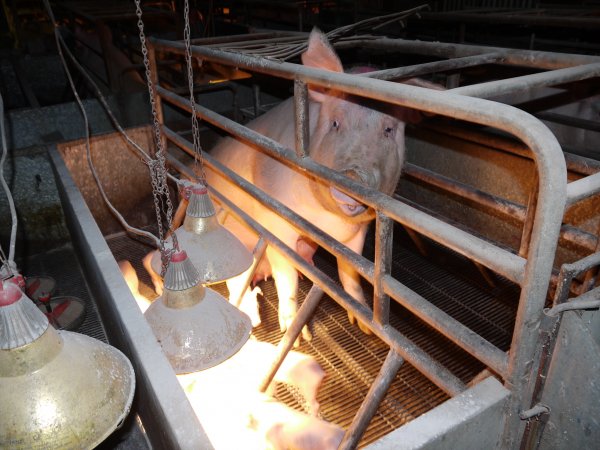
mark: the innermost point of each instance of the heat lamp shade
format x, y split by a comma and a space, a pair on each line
63, 390
200, 335
215, 252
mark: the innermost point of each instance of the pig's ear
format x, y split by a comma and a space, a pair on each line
409, 115
321, 55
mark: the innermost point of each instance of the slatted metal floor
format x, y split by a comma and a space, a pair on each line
352, 359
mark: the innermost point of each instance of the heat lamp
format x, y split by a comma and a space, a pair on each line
196, 327
58, 389
214, 251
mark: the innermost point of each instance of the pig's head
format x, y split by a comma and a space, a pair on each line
360, 138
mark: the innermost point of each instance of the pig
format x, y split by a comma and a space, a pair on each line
366, 143
284, 428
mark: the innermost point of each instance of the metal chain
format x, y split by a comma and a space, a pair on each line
198, 162
157, 166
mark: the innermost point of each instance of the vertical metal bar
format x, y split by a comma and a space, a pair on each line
301, 117
305, 312
259, 251
256, 97
369, 406
383, 264
157, 98
529, 216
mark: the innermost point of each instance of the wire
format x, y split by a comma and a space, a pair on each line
11, 203
116, 213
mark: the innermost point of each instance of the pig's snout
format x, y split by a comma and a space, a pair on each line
347, 204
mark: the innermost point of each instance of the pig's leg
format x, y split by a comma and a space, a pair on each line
350, 278
286, 282
157, 280
249, 302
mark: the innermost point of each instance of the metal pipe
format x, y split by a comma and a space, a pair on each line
301, 117
583, 188
527, 82
588, 300
384, 229
501, 261
434, 67
369, 406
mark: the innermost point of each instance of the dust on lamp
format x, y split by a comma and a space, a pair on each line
214, 251
58, 389
196, 327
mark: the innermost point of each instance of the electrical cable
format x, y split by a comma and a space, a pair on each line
8, 263
116, 213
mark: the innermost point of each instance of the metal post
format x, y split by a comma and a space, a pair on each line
384, 229
369, 406
301, 118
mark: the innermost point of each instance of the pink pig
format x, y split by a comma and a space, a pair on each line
365, 144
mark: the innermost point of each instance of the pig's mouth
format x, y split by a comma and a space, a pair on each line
347, 204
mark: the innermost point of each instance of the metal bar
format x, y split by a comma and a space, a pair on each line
305, 312
259, 251
583, 188
505, 263
384, 229
588, 300
458, 333
526, 58
433, 370
527, 82
563, 119
435, 67
491, 203
301, 118
575, 163
155, 82
369, 406
528, 224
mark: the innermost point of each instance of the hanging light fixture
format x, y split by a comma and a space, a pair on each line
196, 327
214, 251
58, 389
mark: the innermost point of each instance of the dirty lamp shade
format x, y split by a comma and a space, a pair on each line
58, 389
196, 327
214, 251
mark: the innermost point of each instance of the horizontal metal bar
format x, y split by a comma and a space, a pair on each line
458, 333
526, 58
432, 369
587, 300
526, 82
434, 67
583, 188
505, 263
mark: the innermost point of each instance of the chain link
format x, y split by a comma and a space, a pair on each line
198, 162
157, 166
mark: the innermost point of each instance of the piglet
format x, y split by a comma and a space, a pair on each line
284, 428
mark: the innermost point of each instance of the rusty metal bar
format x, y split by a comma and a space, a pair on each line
526, 82
583, 188
587, 300
369, 406
384, 231
393, 338
505, 263
526, 58
575, 163
491, 203
301, 118
305, 312
155, 82
434, 67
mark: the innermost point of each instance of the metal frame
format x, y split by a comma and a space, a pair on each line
531, 270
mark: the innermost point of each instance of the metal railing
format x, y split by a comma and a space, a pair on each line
531, 270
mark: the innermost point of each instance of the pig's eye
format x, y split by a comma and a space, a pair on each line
388, 132
335, 125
